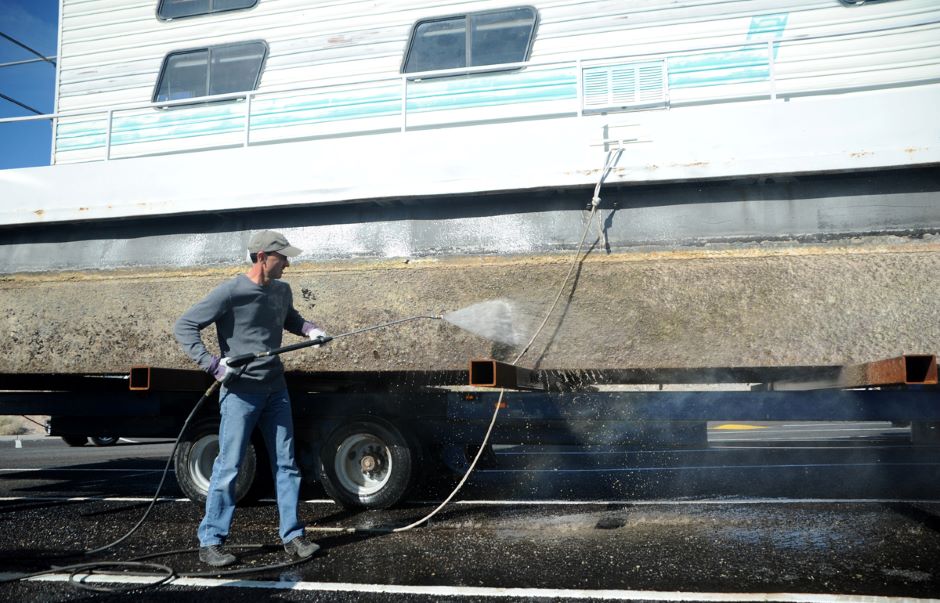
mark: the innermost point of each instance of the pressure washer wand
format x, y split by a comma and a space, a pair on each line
243, 359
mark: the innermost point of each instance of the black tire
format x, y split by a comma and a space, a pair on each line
104, 440
74, 440
368, 463
196, 454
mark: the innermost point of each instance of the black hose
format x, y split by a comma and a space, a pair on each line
241, 361
166, 469
165, 572
88, 569
168, 572
230, 572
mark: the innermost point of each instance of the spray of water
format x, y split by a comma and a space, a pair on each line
495, 319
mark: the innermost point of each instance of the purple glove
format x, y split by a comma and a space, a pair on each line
220, 369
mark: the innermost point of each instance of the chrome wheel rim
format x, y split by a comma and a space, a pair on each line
363, 464
201, 460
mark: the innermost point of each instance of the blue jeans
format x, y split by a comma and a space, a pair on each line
240, 413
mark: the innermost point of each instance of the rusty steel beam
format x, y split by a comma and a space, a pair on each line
147, 378
105, 382
492, 373
909, 369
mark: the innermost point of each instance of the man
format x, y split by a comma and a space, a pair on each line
250, 313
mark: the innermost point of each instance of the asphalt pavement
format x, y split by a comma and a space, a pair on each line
764, 512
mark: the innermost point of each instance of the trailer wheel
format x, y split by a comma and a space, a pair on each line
74, 440
104, 440
368, 464
196, 454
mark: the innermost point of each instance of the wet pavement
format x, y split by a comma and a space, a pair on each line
856, 515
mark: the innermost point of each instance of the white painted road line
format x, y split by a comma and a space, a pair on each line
531, 503
554, 470
769, 430
764, 437
86, 470
697, 451
324, 501
483, 591
744, 446
684, 503
89, 499
709, 468
833, 424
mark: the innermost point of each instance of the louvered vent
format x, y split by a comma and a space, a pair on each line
624, 86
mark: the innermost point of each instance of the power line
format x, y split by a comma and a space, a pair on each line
25, 61
16, 102
41, 58
21, 45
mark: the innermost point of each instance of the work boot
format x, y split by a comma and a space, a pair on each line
301, 547
215, 556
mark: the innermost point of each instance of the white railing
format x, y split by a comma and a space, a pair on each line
770, 91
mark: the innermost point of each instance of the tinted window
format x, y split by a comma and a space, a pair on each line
174, 9
487, 38
213, 70
439, 45
235, 68
184, 76
501, 37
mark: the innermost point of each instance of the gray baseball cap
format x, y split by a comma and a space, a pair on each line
269, 241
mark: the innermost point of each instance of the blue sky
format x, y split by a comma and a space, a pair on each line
34, 23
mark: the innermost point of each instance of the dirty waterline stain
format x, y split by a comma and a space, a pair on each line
461, 263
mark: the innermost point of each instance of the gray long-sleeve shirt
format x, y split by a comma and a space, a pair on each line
249, 318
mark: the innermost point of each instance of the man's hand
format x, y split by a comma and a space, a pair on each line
222, 372
314, 332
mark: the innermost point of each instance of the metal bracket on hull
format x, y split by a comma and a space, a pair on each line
492, 373
909, 369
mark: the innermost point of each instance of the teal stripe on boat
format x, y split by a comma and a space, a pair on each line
426, 96
718, 68
749, 63
469, 100
740, 76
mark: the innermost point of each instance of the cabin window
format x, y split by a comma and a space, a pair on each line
475, 39
175, 9
214, 70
